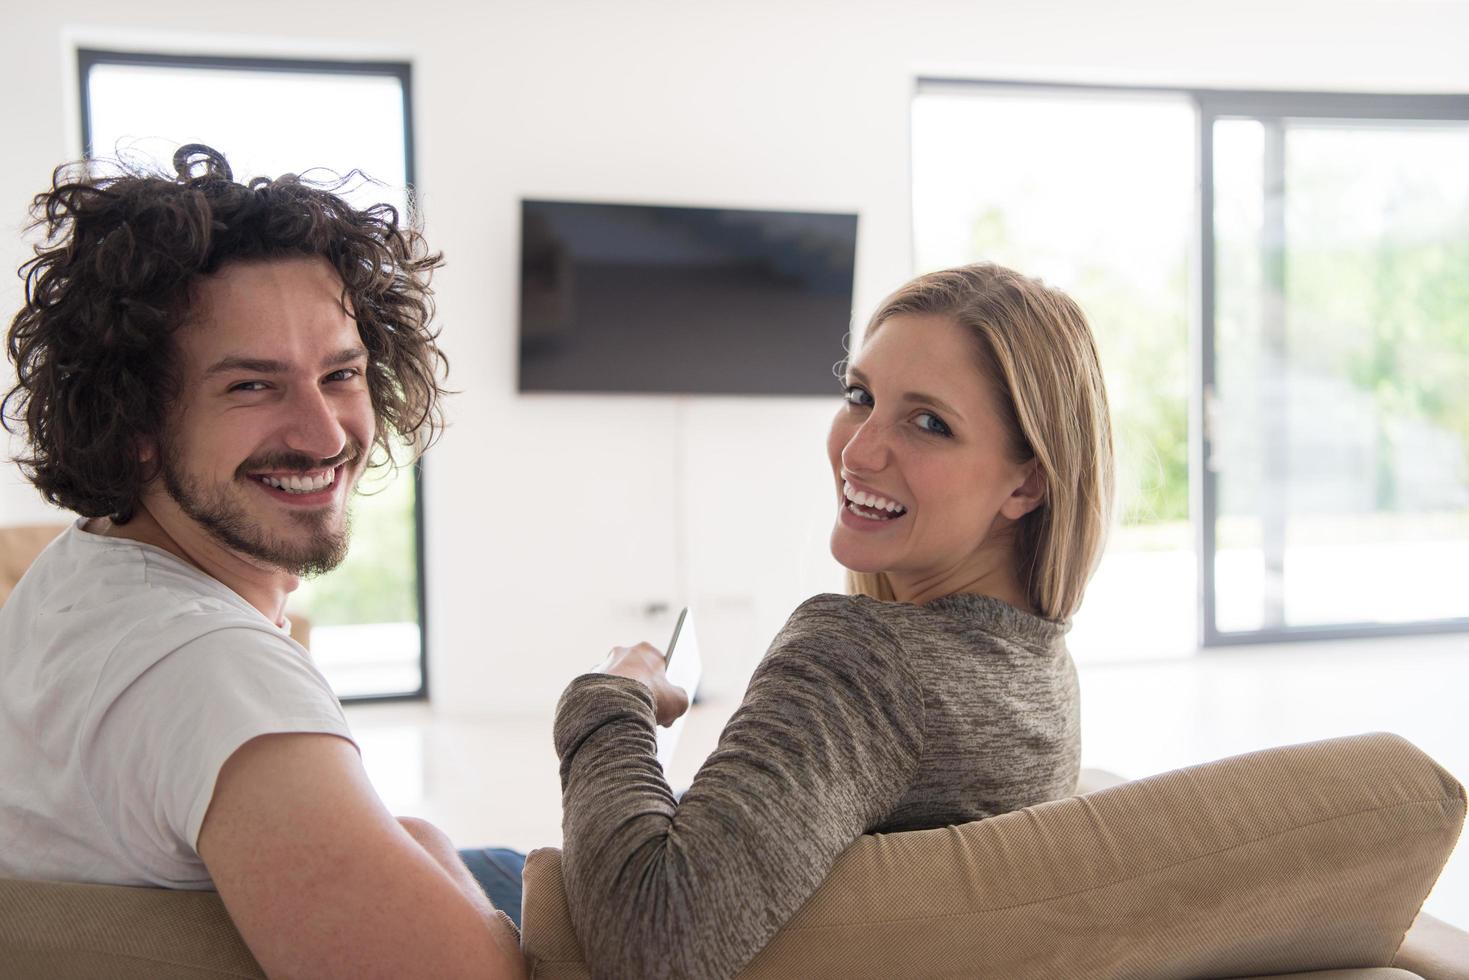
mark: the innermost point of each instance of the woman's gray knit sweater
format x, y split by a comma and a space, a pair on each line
863, 716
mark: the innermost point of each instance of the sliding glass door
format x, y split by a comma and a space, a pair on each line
1279, 284
1336, 374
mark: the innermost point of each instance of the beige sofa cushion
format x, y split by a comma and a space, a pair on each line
1308, 857
70, 932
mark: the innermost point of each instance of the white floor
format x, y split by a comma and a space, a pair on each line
493, 780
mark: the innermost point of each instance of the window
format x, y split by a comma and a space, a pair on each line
273, 117
1276, 285
1338, 469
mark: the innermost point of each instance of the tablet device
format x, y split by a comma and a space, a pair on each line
684, 667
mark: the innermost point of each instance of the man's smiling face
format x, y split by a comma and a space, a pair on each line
273, 421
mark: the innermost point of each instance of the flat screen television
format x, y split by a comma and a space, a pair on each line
636, 298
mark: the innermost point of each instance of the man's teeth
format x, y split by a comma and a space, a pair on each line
871, 501
301, 484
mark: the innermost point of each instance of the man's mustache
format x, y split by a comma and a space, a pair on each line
290, 462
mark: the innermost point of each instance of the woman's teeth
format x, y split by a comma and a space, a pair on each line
301, 484
870, 505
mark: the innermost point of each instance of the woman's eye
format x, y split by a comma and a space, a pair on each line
930, 422
855, 395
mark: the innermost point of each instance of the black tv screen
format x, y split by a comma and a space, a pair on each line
632, 298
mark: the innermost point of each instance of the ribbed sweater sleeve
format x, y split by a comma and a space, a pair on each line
827, 739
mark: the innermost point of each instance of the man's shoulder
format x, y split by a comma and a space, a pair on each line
85, 574
91, 607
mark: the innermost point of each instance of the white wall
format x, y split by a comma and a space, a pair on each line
554, 520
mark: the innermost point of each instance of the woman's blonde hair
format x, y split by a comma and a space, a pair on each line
1034, 346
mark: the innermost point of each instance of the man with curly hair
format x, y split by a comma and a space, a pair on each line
204, 370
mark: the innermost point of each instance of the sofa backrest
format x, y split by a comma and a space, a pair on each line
1308, 857
66, 931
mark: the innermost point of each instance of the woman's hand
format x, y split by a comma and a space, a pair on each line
644, 664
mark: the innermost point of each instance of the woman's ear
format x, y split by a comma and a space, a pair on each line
1028, 495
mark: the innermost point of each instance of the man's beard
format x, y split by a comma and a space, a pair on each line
315, 549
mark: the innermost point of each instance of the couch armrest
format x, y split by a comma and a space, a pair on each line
1092, 780
1366, 973
1434, 950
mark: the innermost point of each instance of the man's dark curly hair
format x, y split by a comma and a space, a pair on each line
110, 284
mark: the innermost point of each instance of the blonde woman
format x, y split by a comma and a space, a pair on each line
972, 467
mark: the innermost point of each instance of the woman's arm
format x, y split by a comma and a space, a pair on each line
826, 741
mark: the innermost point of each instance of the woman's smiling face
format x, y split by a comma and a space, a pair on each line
925, 479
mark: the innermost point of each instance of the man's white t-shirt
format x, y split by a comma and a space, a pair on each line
127, 678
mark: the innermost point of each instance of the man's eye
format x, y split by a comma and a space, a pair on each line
930, 422
345, 374
248, 386
856, 395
